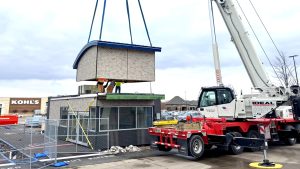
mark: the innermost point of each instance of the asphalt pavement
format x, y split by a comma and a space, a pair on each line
213, 159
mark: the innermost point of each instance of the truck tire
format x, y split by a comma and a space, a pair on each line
253, 134
234, 149
164, 148
289, 141
297, 127
196, 146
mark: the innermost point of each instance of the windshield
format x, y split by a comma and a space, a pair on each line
208, 98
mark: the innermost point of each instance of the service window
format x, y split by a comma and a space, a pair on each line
208, 98
109, 118
64, 116
92, 119
127, 117
224, 96
144, 117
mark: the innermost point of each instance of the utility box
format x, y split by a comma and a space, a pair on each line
116, 61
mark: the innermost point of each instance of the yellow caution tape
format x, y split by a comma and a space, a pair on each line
78, 122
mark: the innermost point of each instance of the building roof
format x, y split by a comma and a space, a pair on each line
179, 101
114, 96
134, 96
113, 45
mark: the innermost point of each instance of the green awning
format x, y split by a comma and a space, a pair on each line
134, 96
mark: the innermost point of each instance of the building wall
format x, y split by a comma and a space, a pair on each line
117, 64
4, 101
141, 66
44, 102
74, 104
180, 107
87, 66
112, 63
8, 107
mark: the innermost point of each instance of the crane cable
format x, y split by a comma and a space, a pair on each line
142, 13
102, 20
129, 23
238, 33
92, 21
259, 42
273, 42
256, 71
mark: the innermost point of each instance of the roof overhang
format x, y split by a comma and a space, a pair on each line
113, 45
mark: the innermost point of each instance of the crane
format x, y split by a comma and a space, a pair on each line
233, 123
220, 101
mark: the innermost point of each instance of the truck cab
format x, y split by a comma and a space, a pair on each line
217, 102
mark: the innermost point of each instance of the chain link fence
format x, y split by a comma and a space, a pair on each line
24, 144
32, 144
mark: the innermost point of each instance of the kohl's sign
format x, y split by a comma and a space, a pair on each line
25, 101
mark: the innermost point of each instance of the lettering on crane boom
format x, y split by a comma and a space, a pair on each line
262, 103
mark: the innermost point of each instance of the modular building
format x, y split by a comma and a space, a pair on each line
102, 120
105, 120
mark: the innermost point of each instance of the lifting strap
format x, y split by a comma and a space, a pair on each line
129, 21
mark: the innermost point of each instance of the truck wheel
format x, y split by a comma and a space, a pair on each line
290, 141
196, 146
253, 134
297, 127
235, 149
164, 148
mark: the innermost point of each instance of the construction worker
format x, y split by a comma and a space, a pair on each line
110, 87
100, 85
118, 87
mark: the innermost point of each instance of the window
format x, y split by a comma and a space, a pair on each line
64, 116
93, 118
144, 117
224, 96
208, 98
0, 109
109, 114
127, 117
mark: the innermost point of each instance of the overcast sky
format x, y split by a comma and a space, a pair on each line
39, 41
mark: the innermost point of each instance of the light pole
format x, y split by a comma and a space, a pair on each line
295, 67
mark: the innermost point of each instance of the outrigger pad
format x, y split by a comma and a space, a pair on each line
265, 165
116, 61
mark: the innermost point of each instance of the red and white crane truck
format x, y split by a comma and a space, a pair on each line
231, 122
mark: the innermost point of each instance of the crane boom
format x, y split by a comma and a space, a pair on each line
244, 46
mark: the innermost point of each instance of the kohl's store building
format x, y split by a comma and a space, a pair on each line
23, 106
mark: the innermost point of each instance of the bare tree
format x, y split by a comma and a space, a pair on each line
284, 70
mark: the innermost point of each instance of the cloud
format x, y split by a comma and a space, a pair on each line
38, 46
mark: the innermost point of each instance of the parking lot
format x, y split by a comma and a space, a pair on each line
213, 159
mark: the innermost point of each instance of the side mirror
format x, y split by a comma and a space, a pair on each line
221, 1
